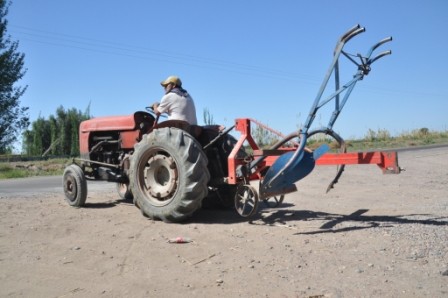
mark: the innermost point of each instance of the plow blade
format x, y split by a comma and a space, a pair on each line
288, 169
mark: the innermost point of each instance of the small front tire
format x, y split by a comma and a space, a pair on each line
75, 186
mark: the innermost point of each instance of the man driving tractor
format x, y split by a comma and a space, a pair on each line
176, 102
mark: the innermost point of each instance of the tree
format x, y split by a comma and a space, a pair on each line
263, 137
208, 117
58, 135
13, 117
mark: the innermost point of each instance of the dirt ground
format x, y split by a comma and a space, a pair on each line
373, 235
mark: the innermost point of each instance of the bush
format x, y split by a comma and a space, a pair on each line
379, 135
33, 168
7, 172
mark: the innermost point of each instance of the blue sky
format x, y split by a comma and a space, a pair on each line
257, 59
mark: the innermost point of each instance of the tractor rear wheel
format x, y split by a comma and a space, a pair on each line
168, 174
75, 186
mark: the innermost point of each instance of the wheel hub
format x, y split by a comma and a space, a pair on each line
161, 177
70, 188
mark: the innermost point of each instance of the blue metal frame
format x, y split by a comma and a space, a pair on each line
293, 166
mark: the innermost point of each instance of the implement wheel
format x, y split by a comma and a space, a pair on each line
75, 186
168, 174
246, 200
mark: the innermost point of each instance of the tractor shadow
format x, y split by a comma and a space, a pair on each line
286, 216
108, 204
339, 223
325, 222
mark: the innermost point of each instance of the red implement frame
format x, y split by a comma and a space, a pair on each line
386, 161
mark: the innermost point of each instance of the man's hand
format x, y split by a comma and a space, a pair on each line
154, 107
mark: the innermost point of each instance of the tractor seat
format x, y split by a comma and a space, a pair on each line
194, 130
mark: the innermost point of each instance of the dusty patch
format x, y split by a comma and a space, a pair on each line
373, 235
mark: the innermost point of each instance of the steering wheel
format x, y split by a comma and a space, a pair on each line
150, 110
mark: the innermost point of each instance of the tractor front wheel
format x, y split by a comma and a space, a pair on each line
168, 174
75, 186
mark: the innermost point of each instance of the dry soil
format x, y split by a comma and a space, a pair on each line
373, 235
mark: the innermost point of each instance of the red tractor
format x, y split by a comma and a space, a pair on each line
162, 167
168, 168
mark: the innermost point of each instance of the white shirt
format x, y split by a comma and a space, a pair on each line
178, 107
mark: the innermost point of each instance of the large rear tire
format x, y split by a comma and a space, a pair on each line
75, 186
168, 174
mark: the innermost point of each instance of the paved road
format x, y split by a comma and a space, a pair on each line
46, 184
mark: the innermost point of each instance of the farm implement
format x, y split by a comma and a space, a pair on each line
169, 168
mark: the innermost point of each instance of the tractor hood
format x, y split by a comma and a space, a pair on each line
114, 123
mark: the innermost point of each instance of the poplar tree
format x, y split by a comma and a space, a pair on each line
58, 135
13, 117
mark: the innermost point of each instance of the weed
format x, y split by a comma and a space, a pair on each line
8, 172
48, 167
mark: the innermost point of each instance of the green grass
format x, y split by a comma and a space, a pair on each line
8, 172
382, 139
48, 167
